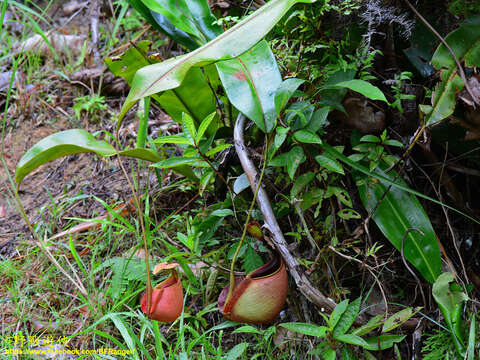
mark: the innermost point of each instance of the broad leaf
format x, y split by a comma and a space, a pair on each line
172, 139
204, 126
60, 144
250, 82
337, 313
300, 183
398, 185
365, 88
217, 149
142, 154
232, 43
306, 329
307, 137
241, 183
471, 340
352, 339
188, 127
193, 97
372, 324
319, 119
328, 163
398, 212
383, 342
152, 156
464, 43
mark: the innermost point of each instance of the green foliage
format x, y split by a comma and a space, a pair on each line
397, 84
372, 149
90, 104
464, 43
450, 300
459, 339
438, 345
464, 8
335, 334
365, 88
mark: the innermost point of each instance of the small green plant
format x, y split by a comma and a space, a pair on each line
397, 85
372, 149
337, 334
227, 21
91, 104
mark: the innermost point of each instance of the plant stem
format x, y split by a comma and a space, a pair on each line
143, 122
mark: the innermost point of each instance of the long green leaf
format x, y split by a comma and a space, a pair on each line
365, 88
232, 43
172, 139
142, 154
398, 212
204, 126
353, 340
57, 145
471, 339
